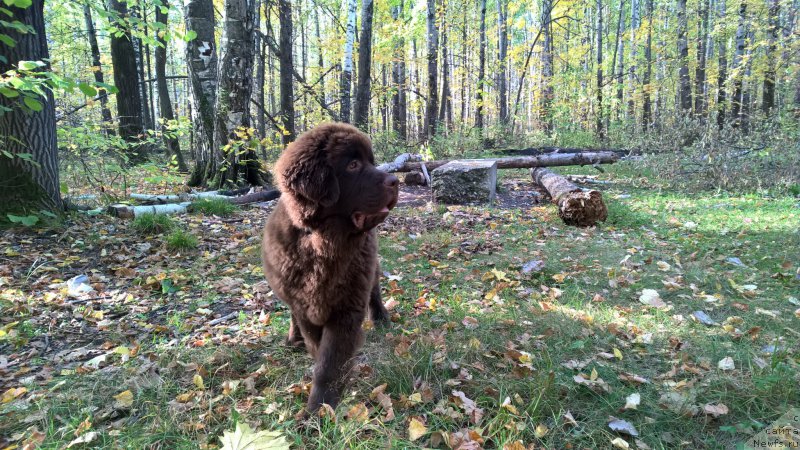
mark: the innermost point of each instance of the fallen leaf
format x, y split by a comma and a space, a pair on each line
358, 412
715, 410
124, 400
632, 401
726, 364
244, 438
650, 297
620, 443
416, 429
622, 426
83, 439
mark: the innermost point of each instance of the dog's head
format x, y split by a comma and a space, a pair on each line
329, 173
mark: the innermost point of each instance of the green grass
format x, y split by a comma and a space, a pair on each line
216, 207
180, 239
152, 223
467, 319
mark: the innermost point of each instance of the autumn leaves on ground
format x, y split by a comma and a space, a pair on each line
672, 325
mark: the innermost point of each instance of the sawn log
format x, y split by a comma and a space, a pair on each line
577, 207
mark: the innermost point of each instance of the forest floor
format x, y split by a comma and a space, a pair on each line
672, 325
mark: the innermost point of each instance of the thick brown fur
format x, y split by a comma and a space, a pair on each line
320, 247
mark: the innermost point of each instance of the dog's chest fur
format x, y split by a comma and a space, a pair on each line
318, 273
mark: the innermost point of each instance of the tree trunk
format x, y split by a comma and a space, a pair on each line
261, 47
29, 177
481, 70
601, 134
526, 162
201, 54
618, 53
722, 62
164, 103
235, 157
445, 108
286, 72
768, 101
632, 79
502, 57
347, 65
575, 206
685, 83
97, 68
433, 54
399, 78
700, 70
129, 96
738, 64
361, 113
648, 51
547, 66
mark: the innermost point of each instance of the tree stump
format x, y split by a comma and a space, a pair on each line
465, 181
576, 207
414, 178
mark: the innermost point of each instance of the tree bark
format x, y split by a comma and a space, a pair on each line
502, 56
525, 162
618, 69
129, 96
201, 54
445, 107
261, 47
164, 103
361, 113
722, 63
599, 122
433, 54
738, 63
235, 157
700, 71
632, 79
481, 70
347, 65
399, 78
768, 100
647, 111
97, 68
547, 66
28, 184
286, 71
576, 207
685, 83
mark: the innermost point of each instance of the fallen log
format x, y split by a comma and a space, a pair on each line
129, 212
177, 198
525, 162
578, 207
260, 196
535, 151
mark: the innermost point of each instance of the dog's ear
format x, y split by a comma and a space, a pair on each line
303, 170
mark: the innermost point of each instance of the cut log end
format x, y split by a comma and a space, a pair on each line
582, 209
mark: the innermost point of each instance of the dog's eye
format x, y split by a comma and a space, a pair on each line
354, 165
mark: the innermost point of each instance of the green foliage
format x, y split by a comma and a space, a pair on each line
27, 221
214, 206
180, 239
152, 223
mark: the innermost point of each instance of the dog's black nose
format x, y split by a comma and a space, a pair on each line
391, 181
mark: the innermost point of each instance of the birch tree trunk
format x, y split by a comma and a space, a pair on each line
28, 184
618, 53
502, 57
261, 48
601, 134
235, 157
433, 54
738, 64
361, 116
97, 67
700, 71
201, 55
547, 66
445, 108
768, 100
632, 81
164, 103
722, 63
647, 106
347, 65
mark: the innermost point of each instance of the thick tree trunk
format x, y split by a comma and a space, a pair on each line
286, 71
525, 162
445, 107
235, 158
768, 101
29, 177
97, 68
164, 103
547, 66
347, 65
481, 70
361, 113
129, 95
201, 54
433, 54
685, 83
399, 78
575, 206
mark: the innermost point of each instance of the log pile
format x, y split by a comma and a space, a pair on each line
576, 206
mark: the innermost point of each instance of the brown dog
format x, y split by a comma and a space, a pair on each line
320, 247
